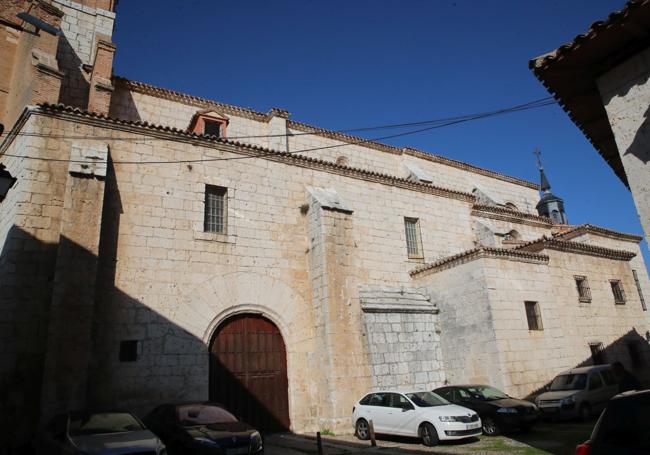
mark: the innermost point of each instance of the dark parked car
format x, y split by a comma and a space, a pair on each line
97, 432
498, 411
623, 427
203, 428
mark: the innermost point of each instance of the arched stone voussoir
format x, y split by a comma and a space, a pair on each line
210, 303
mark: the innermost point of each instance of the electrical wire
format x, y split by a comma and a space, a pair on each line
532, 104
453, 121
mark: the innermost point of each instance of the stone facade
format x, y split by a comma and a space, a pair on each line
103, 243
625, 92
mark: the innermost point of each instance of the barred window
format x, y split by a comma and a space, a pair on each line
584, 293
533, 315
413, 240
617, 290
638, 288
214, 219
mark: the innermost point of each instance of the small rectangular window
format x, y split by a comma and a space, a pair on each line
212, 128
617, 290
413, 239
215, 209
534, 316
584, 293
129, 350
638, 288
597, 353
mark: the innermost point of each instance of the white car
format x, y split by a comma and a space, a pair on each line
418, 414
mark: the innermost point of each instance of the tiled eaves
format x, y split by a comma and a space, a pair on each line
550, 243
581, 229
504, 214
172, 95
76, 114
141, 87
478, 253
613, 19
408, 151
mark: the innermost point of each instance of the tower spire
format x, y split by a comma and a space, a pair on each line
549, 205
545, 185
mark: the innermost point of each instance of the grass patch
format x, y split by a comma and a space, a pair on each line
327, 432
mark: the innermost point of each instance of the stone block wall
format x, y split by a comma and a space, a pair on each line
625, 91
81, 23
402, 337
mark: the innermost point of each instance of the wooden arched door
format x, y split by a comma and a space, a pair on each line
248, 371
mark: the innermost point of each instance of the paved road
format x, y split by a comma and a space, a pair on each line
544, 439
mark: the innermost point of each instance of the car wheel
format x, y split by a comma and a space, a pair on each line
429, 435
362, 430
585, 412
490, 427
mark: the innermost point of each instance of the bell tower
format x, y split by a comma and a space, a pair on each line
549, 204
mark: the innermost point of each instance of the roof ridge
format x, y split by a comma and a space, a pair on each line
578, 247
599, 230
256, 115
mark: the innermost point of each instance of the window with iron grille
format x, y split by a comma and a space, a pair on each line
214, 219
638, 288
584, 293
617, 290
533, 316
413, 240
597, 353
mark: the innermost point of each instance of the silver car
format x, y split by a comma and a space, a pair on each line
579, 392
97, 433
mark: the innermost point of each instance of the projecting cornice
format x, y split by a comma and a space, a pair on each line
253, 151
576, 231
549, 243
514, 216
478, 253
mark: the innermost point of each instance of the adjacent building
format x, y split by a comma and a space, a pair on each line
158, 246
601, 81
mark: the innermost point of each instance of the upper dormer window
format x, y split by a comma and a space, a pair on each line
210, 123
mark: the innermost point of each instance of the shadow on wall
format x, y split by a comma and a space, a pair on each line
631, 349
139, 358
75, 86
122, 104
640, 146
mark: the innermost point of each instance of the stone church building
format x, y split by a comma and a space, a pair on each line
156, 246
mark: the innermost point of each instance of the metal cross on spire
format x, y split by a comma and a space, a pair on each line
538, 154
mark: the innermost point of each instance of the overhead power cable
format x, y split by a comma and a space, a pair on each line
438, 124
532, 104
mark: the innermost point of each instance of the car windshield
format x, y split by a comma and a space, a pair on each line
203, 414
485, 393
426, 399
569, 382
102, 423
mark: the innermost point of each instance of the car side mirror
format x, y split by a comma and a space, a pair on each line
406, 407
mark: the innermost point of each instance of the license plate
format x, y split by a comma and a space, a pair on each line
472, 426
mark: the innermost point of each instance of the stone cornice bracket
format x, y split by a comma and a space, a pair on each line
479, 253
328, 199
88, 160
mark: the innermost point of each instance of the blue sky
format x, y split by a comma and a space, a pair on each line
343, 64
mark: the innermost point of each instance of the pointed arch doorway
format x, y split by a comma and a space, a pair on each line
248, 371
